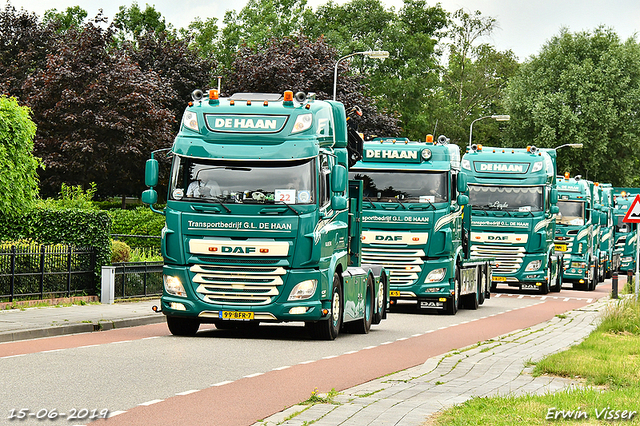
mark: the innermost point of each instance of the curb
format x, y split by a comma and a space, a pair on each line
102, 325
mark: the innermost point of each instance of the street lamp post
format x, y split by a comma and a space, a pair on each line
495, 117
375, 54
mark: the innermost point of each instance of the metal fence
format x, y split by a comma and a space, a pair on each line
39, 272
137, 279
146, 245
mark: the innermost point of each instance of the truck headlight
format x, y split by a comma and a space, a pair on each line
627, 259
303, 290
533, 265
303, 122
465, 164
173, 285
537, 166
582, 265
436, 275
190, 120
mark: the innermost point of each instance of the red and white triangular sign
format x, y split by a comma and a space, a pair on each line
633, 214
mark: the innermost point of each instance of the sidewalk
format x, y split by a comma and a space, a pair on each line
33, 323
495, 367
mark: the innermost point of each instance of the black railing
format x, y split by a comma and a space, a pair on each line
42, 272
137, 279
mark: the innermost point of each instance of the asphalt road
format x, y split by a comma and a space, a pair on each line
221, 377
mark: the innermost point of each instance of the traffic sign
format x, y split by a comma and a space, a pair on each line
633, 214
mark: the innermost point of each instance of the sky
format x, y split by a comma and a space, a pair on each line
524, 26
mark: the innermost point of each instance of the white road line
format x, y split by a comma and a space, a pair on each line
521, 296
88, 346
253, 375
187, 392
155, 401
416, 335
52, 350
346, 353
149, 338
566, 299
309, 362
281, 368
13, 356
369, 347
385, 343
330, 356
222, 383
121, 341
115, 413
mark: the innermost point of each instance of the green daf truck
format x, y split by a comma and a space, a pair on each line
262, 223
625, 234
513, 194
609, 258
577, 233
416, 223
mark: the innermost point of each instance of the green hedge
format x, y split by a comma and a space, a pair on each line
62, 226
139, 221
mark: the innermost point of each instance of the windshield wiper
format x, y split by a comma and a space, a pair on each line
291, 208
212, 201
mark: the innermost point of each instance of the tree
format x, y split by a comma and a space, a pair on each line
134, 22
179, 67
72, 16
18, 176
24, 45
98, 114
474, 81
581, 88
299, 64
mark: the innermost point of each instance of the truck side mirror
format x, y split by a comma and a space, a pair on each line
339, 178
554, 196
150, 196
151, 173
339, 203
462, 184
463, 200
554, 209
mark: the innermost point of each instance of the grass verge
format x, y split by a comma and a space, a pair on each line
608, 361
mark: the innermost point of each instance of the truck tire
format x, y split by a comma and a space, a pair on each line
546, 285
591, 284
557, 286
363, 325
454, 303
482, 284
180, 326
330, 328
381, 309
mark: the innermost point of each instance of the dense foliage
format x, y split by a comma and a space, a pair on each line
62, 226
582, 88
18, 178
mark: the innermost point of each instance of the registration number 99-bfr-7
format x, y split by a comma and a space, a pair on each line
235, 315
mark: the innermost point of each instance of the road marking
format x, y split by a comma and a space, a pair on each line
155, 401
52, 350
253, 375
222, 383
385, 343
369, 347
13, 356
188, 392
121, 341
521, 296
281, 368
115, 413
309, 362
87, 346
349, 353
149, 338
416, 335
330, 357
566, 299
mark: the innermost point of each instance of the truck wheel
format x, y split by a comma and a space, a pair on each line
380, 311
454, 302
179, 326
546, 285
591, 284
602, 273
482, 285
330, 328
363, 325
557, 286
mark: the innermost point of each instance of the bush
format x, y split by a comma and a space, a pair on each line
120, 252
62, 226
139, 221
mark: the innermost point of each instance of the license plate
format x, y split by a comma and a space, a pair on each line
529, 287
499, 278
561, 247
235, 315
394, 293
436, 305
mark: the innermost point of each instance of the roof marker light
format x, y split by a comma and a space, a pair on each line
567, 175
429, 138
213, 94
288, 97
249, 102
232, 102
479, 147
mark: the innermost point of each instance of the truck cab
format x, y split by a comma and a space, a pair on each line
513, 194
414, 201
577, 231
625, 234
262, 224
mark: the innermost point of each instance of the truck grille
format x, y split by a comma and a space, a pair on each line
242, 285
508, 258
405, 265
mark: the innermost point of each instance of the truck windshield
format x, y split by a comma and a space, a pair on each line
571, 213
519, 198
409, 187
251, 183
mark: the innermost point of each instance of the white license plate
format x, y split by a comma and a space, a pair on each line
431, 305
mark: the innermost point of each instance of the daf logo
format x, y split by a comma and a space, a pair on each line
228, 249
388, 237
498, 237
